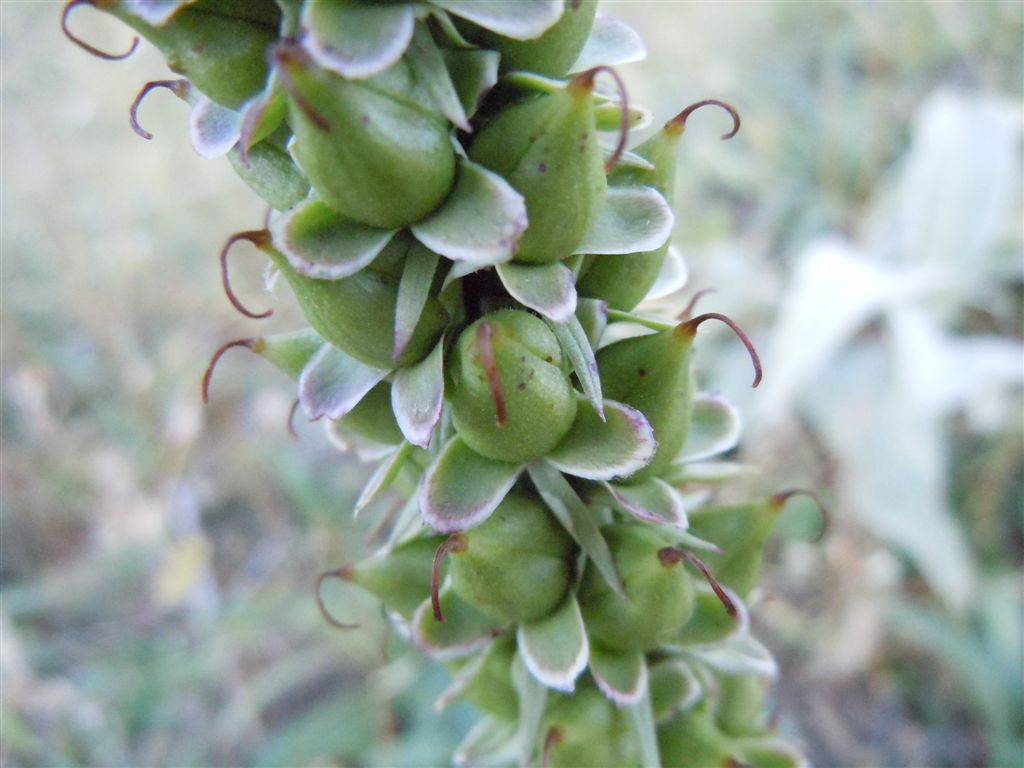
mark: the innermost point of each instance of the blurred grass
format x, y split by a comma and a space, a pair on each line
156, 557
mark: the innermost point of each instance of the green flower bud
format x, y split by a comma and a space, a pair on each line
516, 566
400, 577
660, 593
623, 281
370, 150
492, 690
586, 729
652, 374
510, 396
692, 740
552, 53
224, 56
373, 417
357, 313
740, 705
547, 149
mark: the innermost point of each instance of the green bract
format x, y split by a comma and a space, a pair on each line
465, 253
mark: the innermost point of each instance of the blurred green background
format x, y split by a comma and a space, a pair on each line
865, 226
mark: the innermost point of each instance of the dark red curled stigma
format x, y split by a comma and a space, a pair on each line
672, 555
454, 543
587, 78
178, 87
250, 343
484, 332
554, 736
687, 313
692, 325
779, 499
84, 45
283, 55
258, 237
338, 573
679, 121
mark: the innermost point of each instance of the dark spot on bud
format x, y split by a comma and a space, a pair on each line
641, 372
542, 168
521, 386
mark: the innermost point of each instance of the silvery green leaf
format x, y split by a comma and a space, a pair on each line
621, 675
673, 276
612, 43
462, 679
739, 654
642, 714
576, 346
321, 243
213, 129
532, 700
417, 396
574, 516
489, 743
653, 501
715, 428
632, 220
710, 622
413, 292
431, 72
464, 631
548, 289
473, 74
593, 317
382, 477
597, 448
480, 222
674, 688
554, 649
333, 383
518, 19
461, 488
354, 39
710, 472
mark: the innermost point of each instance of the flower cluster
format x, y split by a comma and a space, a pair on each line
467, 253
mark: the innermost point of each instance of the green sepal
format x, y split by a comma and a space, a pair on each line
691, 740
586, 729
770, 752
357, 39
271, 174
611, 42
554, 648
553, 52
711, 622
491, 689
621, 675
739, 706
601, 445
674, 688
463, 631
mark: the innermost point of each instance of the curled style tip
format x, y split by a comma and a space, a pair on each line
454, 543
679, 121
259, 238
338, 573
178, 87
587, 79
250, 343
554, 736
291, 420
779, 499
672, 555
484, 332
692, 325
282, 56
687, 313
84, 45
